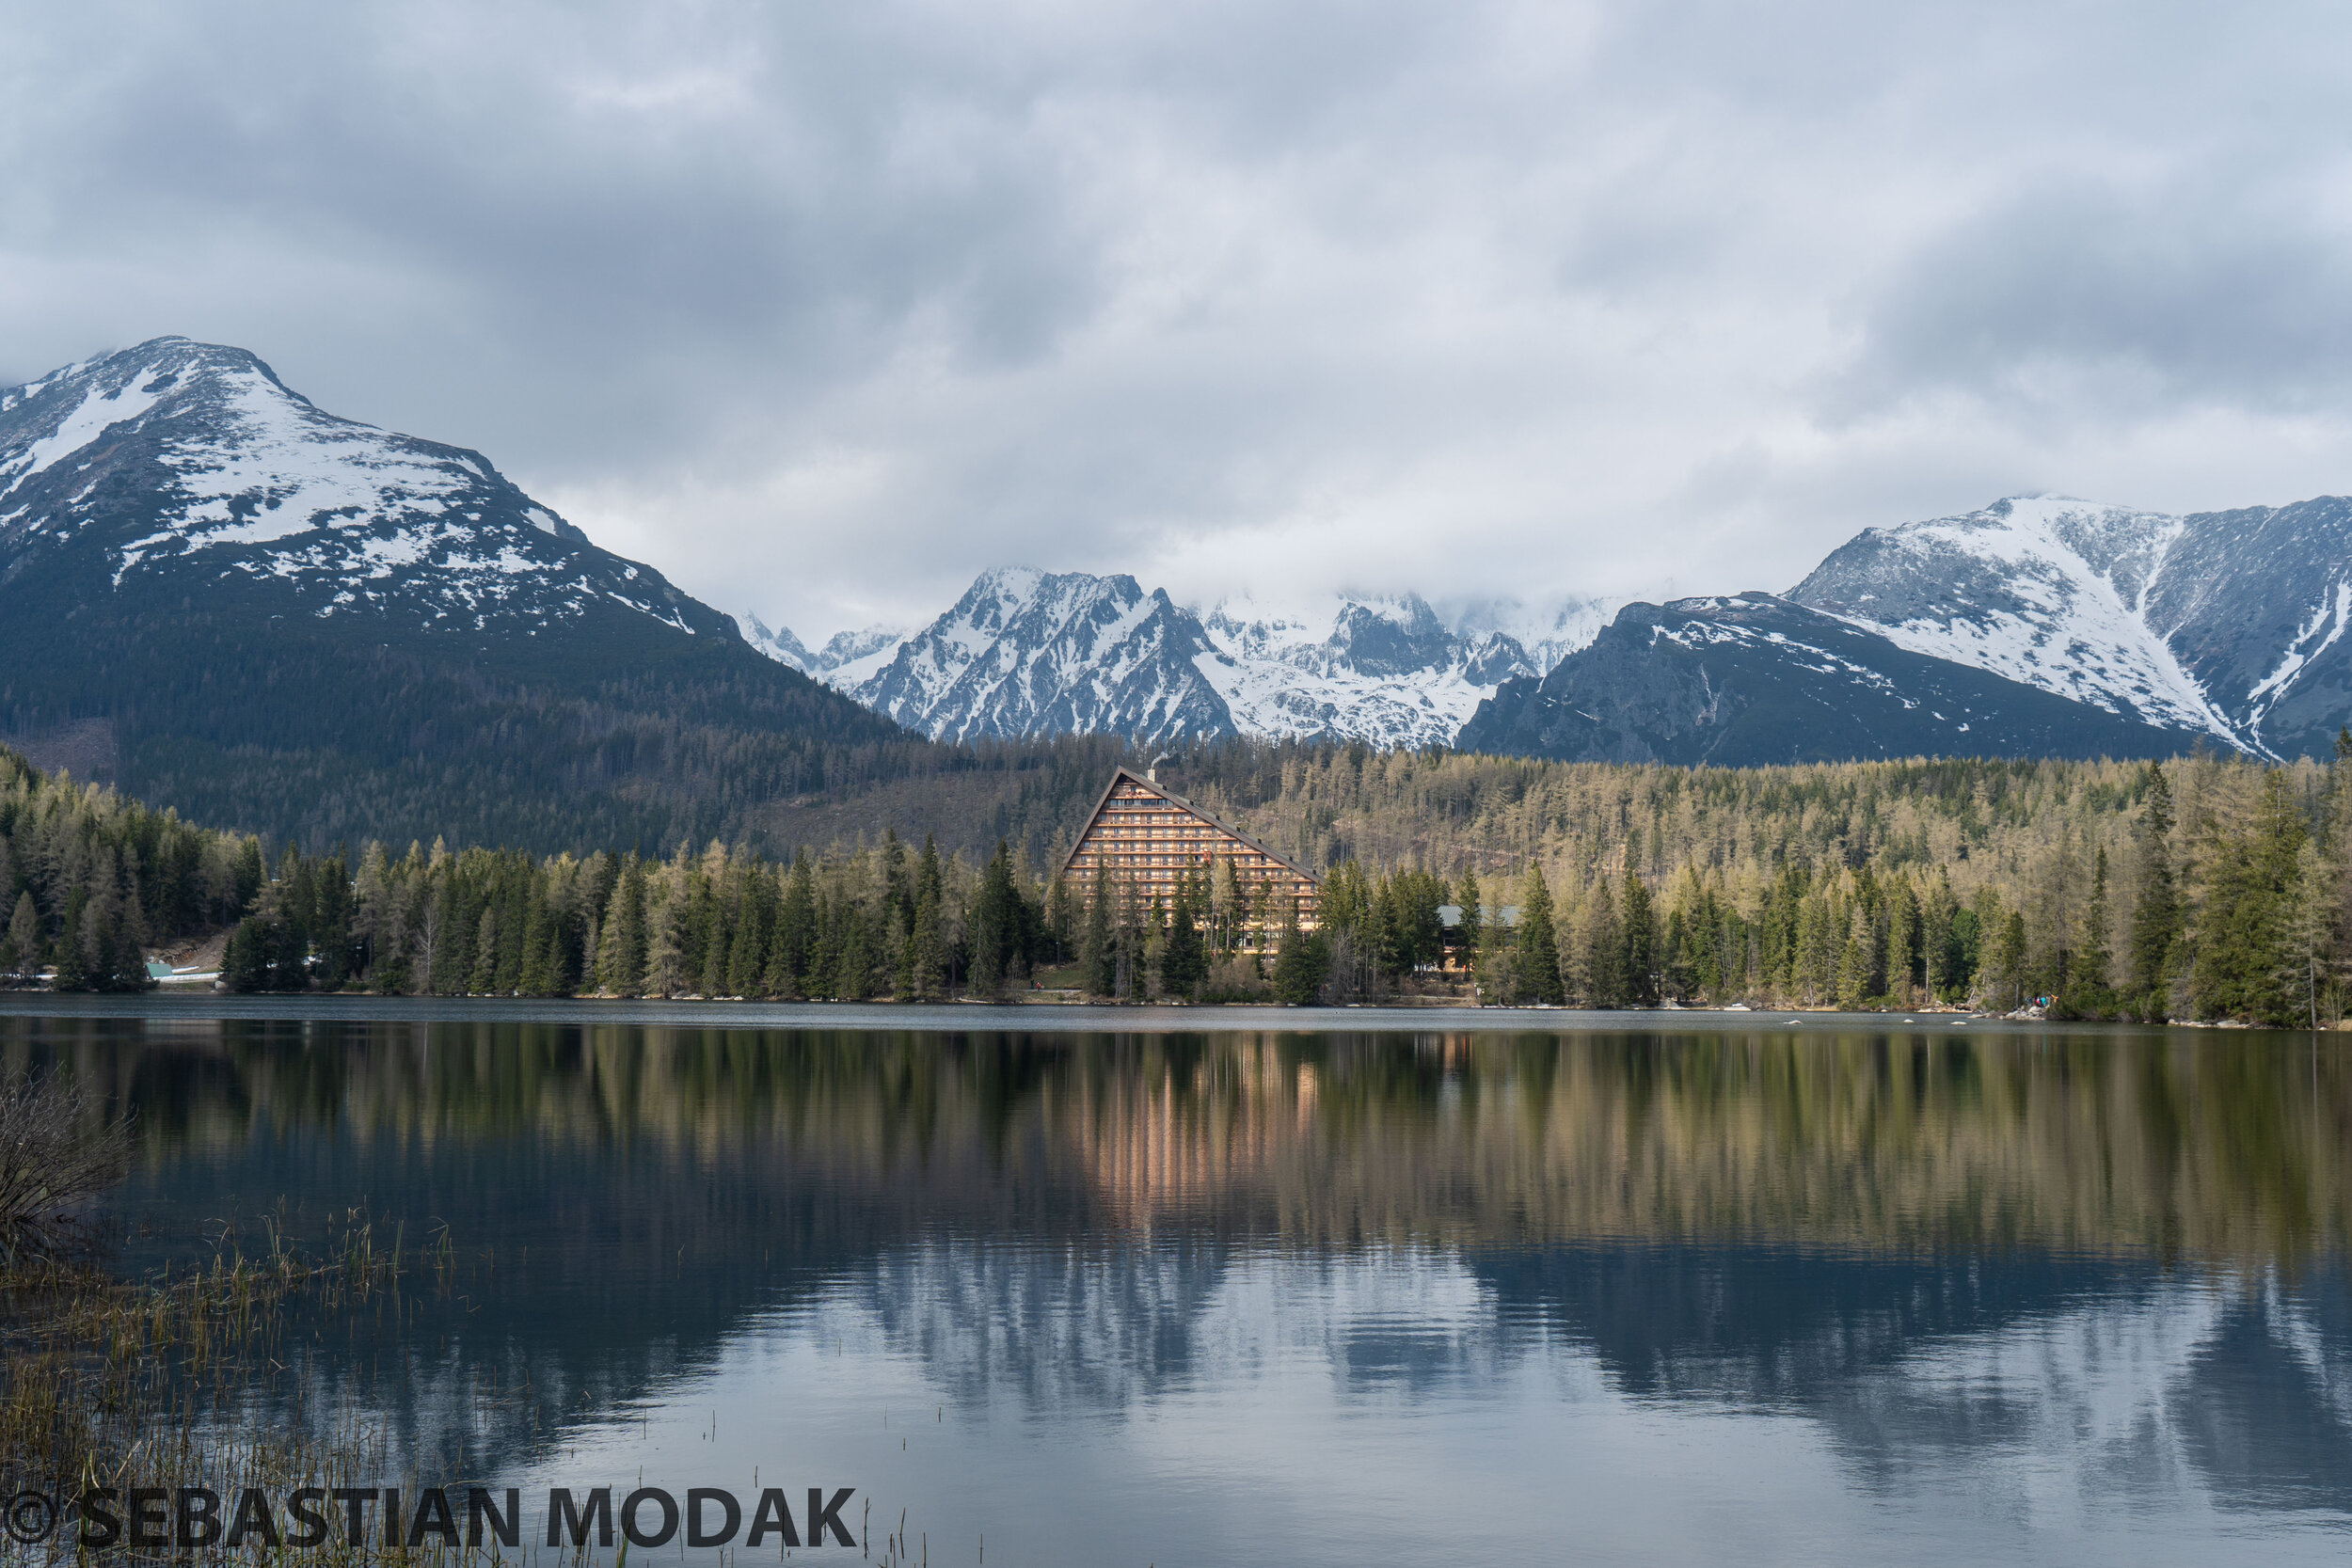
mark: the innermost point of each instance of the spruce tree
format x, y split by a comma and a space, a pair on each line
1641, 943
2091, 977
2306, 965
1300, 962
19, 946
1537, 966
1902, 941
1854, 960
927, 953
1472, 922
1186, 962
1100, 953
2158, 918
73, 964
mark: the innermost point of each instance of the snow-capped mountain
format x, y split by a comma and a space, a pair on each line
1753, 678
848, 659
1547, 632
1382, 669
1031, 653
2228, 623
179, 463
224, 599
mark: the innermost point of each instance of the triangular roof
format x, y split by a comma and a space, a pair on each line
1124, 771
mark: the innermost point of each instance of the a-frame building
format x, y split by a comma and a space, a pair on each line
1144, 837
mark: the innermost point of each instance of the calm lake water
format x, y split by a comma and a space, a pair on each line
1320, 1289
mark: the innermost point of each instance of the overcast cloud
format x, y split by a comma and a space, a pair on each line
823, 308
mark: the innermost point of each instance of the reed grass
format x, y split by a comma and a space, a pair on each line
107, 1381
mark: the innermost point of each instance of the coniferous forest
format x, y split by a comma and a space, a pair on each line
2197, 889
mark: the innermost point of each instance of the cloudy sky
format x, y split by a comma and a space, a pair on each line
824, 307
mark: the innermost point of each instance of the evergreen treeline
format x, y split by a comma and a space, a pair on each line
2195, 889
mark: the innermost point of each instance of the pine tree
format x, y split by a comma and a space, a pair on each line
1186, 962
2158, 918
2091, 977
1473, 921
621, 949
1100, 953
1641, 943
1538, 965
20, 946
1300, 963
1854, 960
1902, 960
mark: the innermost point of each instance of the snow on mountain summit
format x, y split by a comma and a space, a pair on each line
192, 461
1027, 651
2044, 590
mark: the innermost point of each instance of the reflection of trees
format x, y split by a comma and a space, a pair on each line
2157, 1145
1748, 1217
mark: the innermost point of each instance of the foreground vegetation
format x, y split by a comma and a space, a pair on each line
107, 1382
2198, 888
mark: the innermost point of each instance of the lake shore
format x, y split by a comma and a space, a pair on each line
998, 1017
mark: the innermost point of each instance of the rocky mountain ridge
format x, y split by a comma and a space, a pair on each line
1026, 653
2230, 623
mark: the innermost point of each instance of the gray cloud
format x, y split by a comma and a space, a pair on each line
2086, 300
824, 309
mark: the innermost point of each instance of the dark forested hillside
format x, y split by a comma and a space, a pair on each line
292, 729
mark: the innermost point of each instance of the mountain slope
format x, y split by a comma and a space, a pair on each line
291, 622
2227, 622
1755, 679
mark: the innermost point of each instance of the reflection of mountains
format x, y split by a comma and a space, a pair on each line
2010, 1373
1748, 1217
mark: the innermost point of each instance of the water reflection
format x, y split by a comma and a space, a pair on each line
2018, 1292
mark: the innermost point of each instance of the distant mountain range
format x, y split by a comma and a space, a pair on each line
2225, 627
1025, 653
231, 601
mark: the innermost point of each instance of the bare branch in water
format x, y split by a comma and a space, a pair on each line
60, 1152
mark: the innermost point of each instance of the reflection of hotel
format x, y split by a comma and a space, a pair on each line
1160, 1143
1144, 837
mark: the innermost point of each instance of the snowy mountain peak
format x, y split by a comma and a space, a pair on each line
2044, 590
179, 460
1027, 651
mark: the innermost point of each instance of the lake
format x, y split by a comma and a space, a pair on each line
1199, 1287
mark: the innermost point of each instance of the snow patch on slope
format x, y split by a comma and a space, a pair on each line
91, 419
